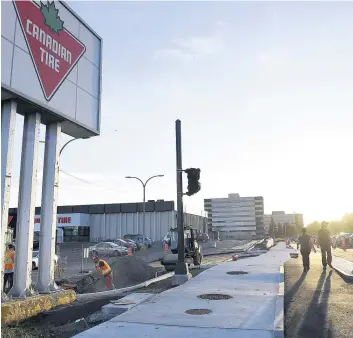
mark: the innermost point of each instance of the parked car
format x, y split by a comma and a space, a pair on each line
126, 244
36, 241
203, 238
140, 240
138, 247
35, 259
107, 249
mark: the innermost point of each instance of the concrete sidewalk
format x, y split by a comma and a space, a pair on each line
255, 309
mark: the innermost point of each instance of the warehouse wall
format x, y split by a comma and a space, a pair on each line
112, 226
196, 221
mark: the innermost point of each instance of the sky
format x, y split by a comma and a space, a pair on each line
264, 91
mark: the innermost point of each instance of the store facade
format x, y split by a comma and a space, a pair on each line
94, 223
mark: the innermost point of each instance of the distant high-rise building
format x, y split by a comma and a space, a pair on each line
235, 216
280, 218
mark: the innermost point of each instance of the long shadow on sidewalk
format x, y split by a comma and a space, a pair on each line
291, 293
314, 322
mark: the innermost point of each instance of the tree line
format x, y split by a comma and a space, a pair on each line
345, 224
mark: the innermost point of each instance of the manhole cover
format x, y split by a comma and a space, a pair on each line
237, 273
215, 296
198, 312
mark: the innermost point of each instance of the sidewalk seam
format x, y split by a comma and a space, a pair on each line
193, 326
278, 327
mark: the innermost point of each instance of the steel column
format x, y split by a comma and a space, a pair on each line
8, 122
181, 268
47, 235
26, 207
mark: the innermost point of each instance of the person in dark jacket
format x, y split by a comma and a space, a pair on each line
325, 245
306, 245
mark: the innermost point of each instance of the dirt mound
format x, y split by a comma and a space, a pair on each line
127, 271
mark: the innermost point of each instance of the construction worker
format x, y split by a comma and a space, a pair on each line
9, 266
105, 270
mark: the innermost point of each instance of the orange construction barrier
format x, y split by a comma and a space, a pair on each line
166, 249
129, 251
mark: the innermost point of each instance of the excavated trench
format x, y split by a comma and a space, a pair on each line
127, 271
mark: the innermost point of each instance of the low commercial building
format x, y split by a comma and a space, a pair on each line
235, 216
111, 221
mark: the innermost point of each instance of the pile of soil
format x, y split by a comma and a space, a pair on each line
127, 271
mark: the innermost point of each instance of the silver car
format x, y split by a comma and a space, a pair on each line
107, 249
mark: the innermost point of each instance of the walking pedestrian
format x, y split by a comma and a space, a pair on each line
9, 267
325, 245
306, 245
105, 270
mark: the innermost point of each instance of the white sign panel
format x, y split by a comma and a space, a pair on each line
65, 220
51, 62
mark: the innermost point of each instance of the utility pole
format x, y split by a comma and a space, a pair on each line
182, 274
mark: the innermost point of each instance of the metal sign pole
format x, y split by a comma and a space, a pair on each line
26, 205
8, 123
50, 185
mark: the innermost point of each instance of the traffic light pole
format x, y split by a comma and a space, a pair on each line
181, 271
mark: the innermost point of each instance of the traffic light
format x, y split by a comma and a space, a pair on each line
194, 185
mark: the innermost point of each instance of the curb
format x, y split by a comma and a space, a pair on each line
21, 309
118, 292
344, 274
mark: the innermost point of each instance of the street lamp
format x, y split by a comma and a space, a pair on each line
63, 147
144, 197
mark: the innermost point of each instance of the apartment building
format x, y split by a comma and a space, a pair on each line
235, 216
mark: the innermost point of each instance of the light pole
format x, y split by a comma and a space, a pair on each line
63, 147
144, 198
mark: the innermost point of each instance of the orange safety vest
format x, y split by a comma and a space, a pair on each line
105, 270
9, 260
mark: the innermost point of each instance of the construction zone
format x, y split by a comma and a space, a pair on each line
90, 304
126, 271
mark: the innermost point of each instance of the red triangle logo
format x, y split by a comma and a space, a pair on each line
9, 220
54, 50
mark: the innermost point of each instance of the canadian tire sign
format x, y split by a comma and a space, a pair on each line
53, 49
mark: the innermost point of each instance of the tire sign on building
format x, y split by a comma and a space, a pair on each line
53, 49
51, 63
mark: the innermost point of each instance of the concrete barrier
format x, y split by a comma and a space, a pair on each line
21, 309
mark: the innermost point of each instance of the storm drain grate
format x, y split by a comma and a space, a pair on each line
237, 273
215, 296
198, 312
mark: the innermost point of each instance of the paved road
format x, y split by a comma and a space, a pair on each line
318, 304
224, 245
